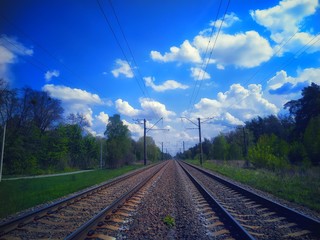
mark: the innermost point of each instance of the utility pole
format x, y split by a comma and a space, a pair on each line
245, 152
145, 130
162, 151
144, 142
101, 154
200, 142
2, 151
199, 129
183, 146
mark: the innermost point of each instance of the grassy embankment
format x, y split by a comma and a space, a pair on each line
17, 195
300, 188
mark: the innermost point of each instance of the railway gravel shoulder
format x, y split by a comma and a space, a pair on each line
297, 207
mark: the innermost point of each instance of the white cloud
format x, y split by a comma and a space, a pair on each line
199, 74
124, 108
149, 109
282, 88
234, 106
246, 50
167, 85
286, 19
186, 53
229, 20
76, 100
72, 95
50, 74
122, 67
103, 118
135, 129
10, 50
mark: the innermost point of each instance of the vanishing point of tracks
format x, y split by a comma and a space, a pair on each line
172, 200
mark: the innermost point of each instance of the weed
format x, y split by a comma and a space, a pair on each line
169, 221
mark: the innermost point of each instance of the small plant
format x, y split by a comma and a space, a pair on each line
169, 220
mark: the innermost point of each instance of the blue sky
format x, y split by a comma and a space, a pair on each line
229, 61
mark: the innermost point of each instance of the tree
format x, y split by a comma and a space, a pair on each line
311, 140
220, 148
269, 152
306, 107
118, 139
153, 152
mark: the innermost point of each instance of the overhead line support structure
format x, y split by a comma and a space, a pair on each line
199, 129
145, 130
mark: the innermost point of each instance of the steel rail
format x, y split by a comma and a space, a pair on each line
303, 220
10, 225
236, 230
87, 229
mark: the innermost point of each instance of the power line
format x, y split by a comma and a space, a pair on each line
210, 55
207, 48
286, 63
119, 45
128, 46
48, 53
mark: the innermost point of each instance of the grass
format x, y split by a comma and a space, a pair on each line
169, 221
300, 188
17, 195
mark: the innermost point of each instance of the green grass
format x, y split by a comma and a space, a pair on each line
300, 188
17, 195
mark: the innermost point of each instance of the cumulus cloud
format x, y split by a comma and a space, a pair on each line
167, 85
282, 88
72, 95
149, 109
125, 108
135, 129
281, 83
246, 50
103, 118
229, 20
50, 74
122, 67
243, 49
286, 19
76, 100
186, 53
199, 74
234, 106
10, 50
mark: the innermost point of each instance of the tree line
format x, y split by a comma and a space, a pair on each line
39, 139
272, 142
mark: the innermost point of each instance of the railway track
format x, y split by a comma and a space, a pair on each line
246, 215
110, 220
58, 220
203, 206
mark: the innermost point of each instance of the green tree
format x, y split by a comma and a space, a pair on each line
270, 152
220, 147
118, 142
311, 140
305, 108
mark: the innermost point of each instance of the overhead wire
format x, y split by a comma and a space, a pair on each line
205, 54
128, 46
139, 81
51, 55
119, 45
210, 55
297, 54
39, 65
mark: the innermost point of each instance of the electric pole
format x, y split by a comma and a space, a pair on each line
199, 129
144, 142
145, 130
162, 151
2, 151
200, 142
